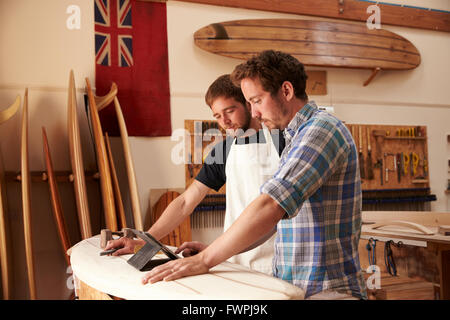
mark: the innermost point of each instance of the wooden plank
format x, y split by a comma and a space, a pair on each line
430, 219
316, 85
86, 292
401, 288
26, 199
314, 43
348, 10
415, 226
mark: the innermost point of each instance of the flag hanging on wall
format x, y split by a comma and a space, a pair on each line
131, 50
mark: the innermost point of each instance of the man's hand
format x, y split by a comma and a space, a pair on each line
127, 245
189, 249
176, 269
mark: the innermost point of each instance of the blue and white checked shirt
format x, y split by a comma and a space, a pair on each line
319, 186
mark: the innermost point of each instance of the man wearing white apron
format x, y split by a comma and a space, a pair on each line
248, 166
245, 169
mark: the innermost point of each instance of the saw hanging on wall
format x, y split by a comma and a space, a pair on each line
314, 43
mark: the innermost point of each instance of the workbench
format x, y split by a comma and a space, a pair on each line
111, 277
420, 256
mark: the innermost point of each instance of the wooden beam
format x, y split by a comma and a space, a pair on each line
391, 14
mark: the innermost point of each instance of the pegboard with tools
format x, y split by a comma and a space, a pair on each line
202, 136
391, 156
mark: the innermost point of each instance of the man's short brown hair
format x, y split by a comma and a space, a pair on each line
223, 87
272, 68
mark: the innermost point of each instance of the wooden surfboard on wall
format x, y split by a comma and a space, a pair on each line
26, 199
314, 43
5, 244
76, 158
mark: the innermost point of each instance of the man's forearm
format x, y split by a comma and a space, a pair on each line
178, 210
171, 218
258, 219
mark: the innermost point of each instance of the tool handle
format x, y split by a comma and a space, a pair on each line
360, 139
106, 252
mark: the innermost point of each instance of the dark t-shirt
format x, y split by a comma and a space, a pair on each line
213, 173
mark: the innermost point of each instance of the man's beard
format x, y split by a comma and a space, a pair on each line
242, 130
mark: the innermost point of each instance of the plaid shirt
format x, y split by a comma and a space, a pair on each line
319, 187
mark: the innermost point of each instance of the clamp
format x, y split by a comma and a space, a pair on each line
389, 257
371, 246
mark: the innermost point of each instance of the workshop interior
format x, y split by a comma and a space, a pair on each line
103, 124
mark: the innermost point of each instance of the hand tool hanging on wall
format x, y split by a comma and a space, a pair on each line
414, 163
371, 252
399, 167
405, 163
369, 157
389, 257
386, 166
379, 165
361, 156
425, 166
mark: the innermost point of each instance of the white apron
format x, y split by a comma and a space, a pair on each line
248, 166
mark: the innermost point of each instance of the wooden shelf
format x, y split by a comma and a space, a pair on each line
405, 138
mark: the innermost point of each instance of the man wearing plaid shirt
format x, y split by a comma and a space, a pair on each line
314, 198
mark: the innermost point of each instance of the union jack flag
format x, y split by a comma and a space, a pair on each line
131, 51
113, 33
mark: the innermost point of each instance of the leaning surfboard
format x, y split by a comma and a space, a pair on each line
76, 158
5, 245
26, 199
116, 187
103, 163
56, 199
102, 102
314, 43
134, 194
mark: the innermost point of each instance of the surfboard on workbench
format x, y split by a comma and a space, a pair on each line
314, 43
